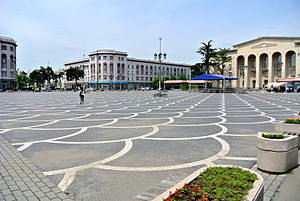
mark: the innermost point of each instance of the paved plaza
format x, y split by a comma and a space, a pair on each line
119, 144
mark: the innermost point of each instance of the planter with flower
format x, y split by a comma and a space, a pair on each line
290, 126
217, 183
276, 152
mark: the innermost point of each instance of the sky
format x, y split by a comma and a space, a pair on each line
53, 32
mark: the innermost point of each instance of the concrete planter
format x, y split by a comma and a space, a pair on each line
289, 129
255, 194
277, 155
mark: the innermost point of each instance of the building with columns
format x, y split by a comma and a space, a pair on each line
108, 69
8, 63
264, 60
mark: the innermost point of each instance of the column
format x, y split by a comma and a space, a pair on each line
270, 68
235, 83
297, 64
246, 72
284, 65
258, 72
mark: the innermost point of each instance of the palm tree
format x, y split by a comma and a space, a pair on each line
222, 58
208, 54
74, 74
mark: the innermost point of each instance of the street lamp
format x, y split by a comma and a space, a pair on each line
160, 57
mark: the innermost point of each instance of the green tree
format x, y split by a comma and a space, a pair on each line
74, 74
208, 54
47, 74
222, 58
182, 77
22, 80
173, 77
57, 77
36, 77
197, 69
155, 83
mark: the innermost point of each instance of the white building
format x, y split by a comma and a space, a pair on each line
8, 63
112, 69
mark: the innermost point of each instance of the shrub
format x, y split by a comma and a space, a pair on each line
273, 135
216, 184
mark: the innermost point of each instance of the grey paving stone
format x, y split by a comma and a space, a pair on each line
28, 193
51, 195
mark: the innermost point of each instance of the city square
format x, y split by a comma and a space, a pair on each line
119, 144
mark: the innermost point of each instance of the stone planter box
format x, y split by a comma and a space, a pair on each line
289, 129
255, 194
277, 155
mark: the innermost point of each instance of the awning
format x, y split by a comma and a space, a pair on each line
213, 77
186, 82
290, 79
275, 84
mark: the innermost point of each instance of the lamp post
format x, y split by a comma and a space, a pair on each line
160, 57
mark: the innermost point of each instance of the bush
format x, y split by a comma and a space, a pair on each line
273, 135
217, 184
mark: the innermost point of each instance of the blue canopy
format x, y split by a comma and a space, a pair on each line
213, 77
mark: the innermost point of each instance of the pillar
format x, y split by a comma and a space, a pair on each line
258, 83
270, 68
297, 64
284, 65
235, 72
246, 72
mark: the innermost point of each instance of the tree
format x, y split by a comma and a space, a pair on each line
182, 77
173, 77
208, 54
57, 77
222, 58
22, 80
47, 74
197, 69
36, 77
155, 82
74, 74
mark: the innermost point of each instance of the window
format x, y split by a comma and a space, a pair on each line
3, 73
3, 61
122, 58
99, 57
119, 58
3, 47
93, 58
137, 77
12, 49
293, 60
104, 57
111, 58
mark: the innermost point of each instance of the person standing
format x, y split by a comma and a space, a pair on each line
81, 95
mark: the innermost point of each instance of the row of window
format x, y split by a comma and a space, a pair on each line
12, 61
4, 47
4, 74
106, 58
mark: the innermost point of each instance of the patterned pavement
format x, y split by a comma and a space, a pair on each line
119, 144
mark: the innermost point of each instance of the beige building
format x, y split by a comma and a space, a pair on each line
264, 60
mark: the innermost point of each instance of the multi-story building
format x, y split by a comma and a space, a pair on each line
8, 63
264, 60
112, 69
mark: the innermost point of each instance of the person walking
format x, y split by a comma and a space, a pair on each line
81, 95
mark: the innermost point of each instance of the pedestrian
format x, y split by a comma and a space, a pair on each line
81, 95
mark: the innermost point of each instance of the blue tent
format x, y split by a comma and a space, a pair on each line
213, 77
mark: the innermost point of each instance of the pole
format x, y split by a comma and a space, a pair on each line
159, 58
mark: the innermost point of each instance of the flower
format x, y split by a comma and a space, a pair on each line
265, 133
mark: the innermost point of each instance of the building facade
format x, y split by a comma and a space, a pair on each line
8, 63
264, 60
114, 69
